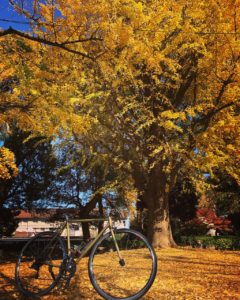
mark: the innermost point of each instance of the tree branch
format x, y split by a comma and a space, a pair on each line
92, 38
10, 30
8, 106
223, 88
188, 76
225, 106
205, 121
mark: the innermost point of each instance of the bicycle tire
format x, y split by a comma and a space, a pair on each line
110, 277
40, 264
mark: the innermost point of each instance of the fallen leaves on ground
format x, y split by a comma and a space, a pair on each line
182, 274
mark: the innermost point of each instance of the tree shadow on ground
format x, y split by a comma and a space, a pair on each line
187, 260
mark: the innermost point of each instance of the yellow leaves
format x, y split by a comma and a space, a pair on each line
157, 150
131, 196
34, 92
116, 83
132, 12
171, 115
17, 92
122, 33
149, 54
218, 148
230, 147
168, 125
47, 12
80, 124
93, 95
74, 100
221, 123
216, 272
130, 200
8, 168
6, 71
171, 120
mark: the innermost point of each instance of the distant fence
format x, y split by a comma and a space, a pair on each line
11, 247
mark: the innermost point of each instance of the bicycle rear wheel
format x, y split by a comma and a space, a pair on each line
40, 264
129, 279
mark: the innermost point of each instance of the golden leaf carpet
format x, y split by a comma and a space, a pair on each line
182, 274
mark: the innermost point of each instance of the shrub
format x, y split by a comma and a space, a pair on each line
195, 227
219, 242
224, 243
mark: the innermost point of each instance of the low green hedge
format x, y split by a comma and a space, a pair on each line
217, 242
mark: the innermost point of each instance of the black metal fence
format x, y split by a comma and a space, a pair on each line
11, 247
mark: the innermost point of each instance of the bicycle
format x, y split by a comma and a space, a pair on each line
116, 256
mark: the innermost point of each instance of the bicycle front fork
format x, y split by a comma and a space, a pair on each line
121, 260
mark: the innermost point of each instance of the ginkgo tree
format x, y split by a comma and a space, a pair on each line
167, 90
156, 84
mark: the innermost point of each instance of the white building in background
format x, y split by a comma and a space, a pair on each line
31, 223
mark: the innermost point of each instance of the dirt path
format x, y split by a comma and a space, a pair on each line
182, 274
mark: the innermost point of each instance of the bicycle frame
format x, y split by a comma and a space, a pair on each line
45, 260
109, 226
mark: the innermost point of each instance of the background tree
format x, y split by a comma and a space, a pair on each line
84, 182
183, 200
183, 203
32, 96
225, 193
36, 165
8, 223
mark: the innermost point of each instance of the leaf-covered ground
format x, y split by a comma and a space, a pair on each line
182, 274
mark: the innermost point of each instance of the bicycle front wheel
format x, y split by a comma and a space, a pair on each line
40, 264
129, 278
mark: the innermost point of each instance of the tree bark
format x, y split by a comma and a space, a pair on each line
156, 199
159, 228
141, 226
86, 230
85, 225
101, 214
84, 214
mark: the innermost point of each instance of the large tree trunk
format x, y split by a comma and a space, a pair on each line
159, 228
155, 198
